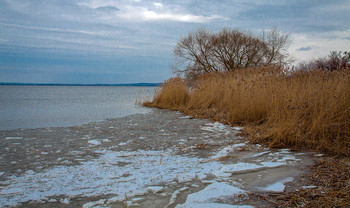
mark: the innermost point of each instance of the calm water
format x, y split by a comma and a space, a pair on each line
52, 106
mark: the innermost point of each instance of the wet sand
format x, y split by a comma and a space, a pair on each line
159, 159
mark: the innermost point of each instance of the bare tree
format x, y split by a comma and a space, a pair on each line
202, 51
192, 53
336, 60
277, 45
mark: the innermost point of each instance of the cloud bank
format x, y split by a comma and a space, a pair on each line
88, 40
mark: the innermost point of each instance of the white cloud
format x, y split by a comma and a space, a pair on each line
145, 14
101, 3
320, 43
138, 11
158, 5
52, 29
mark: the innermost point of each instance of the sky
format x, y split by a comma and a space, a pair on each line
131, 41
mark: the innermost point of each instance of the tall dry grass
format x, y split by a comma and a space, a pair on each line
302, 110
173, 95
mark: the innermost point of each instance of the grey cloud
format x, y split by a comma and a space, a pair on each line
304, 48
299, 16
90, 28
107, 9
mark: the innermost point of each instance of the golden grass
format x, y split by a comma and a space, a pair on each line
173, 95
302, 110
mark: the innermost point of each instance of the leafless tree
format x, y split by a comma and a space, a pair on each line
277, 45
336, 60
202, 51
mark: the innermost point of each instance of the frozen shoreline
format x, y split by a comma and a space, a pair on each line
160, 159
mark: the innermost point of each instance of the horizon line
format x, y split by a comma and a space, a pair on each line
76, 84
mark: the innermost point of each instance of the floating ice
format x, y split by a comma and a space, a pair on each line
13, 138
94, 142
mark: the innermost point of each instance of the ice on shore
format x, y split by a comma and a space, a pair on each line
94, 203
214, 127
94, 142
103, 176
209, 196
278, 186
154, 189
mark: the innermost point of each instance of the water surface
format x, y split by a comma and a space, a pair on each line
53, 106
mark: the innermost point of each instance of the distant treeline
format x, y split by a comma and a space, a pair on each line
50, 84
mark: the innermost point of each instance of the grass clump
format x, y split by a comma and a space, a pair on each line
173, 95
299, 110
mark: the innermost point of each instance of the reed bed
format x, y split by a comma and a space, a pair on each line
298, 110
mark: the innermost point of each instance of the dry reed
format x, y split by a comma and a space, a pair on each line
300, 110
173, 95
327, 186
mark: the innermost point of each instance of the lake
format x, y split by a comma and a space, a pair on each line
58, 106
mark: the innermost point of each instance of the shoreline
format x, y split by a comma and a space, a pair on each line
213, 150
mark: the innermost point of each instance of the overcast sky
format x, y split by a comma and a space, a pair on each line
129, 41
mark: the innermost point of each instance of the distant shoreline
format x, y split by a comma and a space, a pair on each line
52, 84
